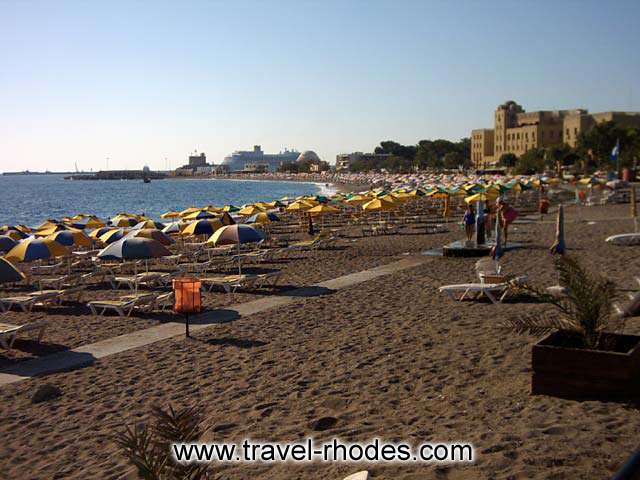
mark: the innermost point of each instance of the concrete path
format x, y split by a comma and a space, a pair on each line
88, 354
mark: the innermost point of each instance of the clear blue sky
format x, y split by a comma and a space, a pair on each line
141, 81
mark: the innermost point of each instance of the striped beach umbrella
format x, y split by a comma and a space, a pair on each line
230, 208
13, 232
50, 230
32, 249
124, 220
149, 224
236, 235
153, 234
71, 238
9, 273
263, 217
174, 227
201, 227
7, 243
134, 249
199, 215
170, 214
112, 235
98, 232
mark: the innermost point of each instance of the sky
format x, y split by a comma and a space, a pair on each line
128, 84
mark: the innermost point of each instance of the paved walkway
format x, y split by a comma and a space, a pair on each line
88, 354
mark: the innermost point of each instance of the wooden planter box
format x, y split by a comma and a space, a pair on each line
562, 371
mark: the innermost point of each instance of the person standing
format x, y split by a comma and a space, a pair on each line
505, 215
469, 222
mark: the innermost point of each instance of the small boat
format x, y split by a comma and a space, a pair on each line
146, 180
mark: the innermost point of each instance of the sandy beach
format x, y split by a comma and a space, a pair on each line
389, 358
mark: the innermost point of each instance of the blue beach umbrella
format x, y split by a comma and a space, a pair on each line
32, 249
235, 235
263, 217
9, 273
7, 243
136, 248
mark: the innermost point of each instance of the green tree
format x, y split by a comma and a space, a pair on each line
508, 160
530, 162
453, 160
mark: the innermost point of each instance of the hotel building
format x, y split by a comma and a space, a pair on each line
516, 131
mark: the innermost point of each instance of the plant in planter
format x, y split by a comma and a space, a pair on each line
148, 447
583, 354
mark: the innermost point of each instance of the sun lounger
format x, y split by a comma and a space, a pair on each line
632, 308
135, 281
477, 290
9, 332
269, 279
56, 283
163, 301
229, 283
27, 302
625, 239
124, 306
57, 296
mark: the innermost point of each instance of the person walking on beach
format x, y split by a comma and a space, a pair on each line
505, 215
469, 221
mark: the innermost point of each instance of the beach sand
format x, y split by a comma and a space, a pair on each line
389, 358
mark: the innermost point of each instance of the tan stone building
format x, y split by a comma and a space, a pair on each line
516, 131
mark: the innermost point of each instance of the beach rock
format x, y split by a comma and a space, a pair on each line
324, 423
45, 393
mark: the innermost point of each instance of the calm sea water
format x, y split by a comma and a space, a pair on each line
31, 199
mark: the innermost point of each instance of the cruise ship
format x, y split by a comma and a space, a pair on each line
239, 160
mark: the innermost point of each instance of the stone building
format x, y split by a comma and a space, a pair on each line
516, 131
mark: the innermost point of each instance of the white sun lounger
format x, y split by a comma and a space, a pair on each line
625, 239
27, 302
229, 283
9, 332
489, 290
124, 306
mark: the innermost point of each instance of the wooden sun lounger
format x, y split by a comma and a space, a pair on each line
27, 302
9, 332
124, 306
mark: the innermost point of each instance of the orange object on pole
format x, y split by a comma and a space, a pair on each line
188, 298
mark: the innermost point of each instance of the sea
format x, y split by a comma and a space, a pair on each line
32, 199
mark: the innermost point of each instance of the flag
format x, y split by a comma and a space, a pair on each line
615, 152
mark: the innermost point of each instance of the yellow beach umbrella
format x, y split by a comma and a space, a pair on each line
201, 227
32, 249
378, 204
189, 210
357, 199
322, 210
170, 214
299, 206
249, 210
70, 238
45, 232
482, 197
